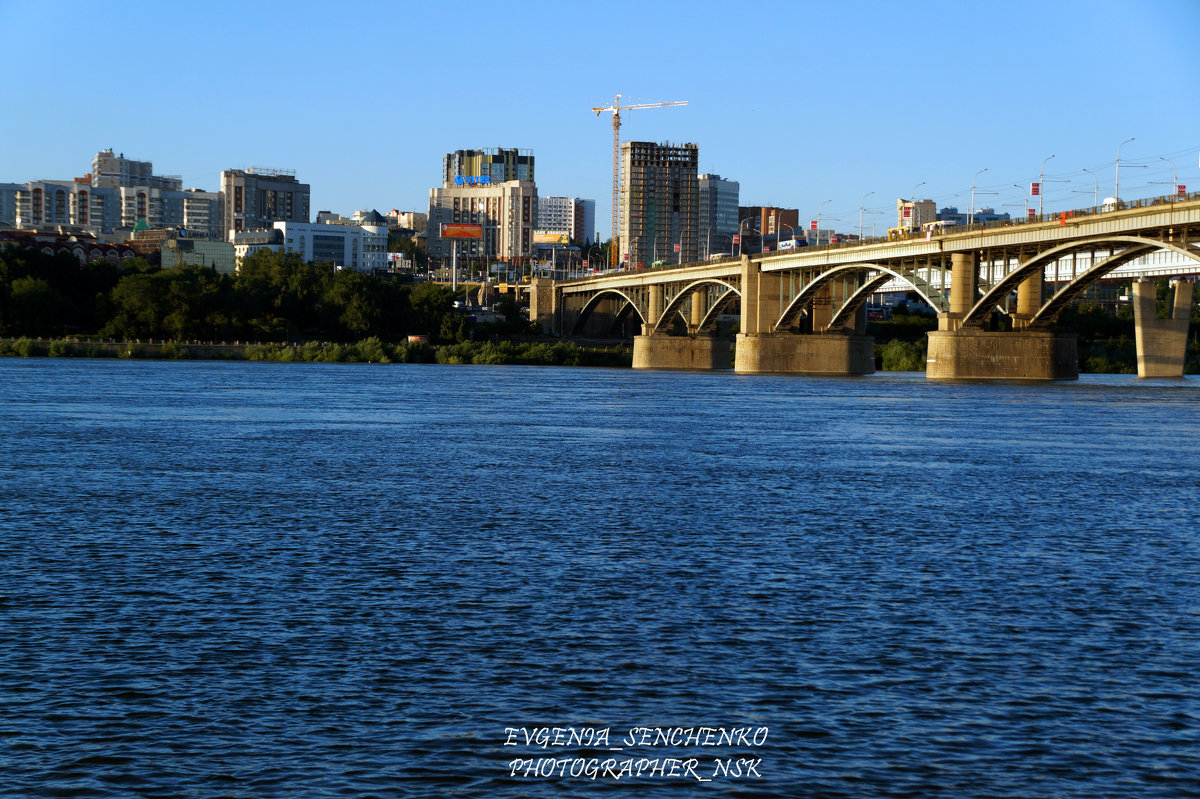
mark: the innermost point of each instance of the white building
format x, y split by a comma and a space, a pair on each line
360, 247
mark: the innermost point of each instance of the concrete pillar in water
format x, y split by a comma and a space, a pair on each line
1161, 343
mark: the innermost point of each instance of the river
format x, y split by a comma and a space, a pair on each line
253, 579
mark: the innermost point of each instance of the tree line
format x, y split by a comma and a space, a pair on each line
273, 297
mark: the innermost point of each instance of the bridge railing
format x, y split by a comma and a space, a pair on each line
1145, 202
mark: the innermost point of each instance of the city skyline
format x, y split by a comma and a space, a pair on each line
853, 115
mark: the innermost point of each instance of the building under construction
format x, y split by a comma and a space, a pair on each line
660, 203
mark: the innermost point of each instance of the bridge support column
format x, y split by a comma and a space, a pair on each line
1161, 343
964, 286
654, 311
817, 354
680, 352
760, 298
1029, 300
544, 304
699, 306
970, 354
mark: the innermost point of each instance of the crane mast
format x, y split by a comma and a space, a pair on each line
616, 109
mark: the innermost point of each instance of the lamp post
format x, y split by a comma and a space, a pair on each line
819, 207
1174, 177
1117, 175
708, 242
1026, 190
654, 248
971, 215
1042, 184
1096, 198
740, 223
860, 212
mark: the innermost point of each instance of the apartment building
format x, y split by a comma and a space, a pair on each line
257, 197
660, 205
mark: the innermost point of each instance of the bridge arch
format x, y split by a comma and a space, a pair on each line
1138, 247
806, 294
600, 296
675, 306
1048, 314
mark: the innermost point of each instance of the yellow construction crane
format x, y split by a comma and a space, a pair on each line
616, 109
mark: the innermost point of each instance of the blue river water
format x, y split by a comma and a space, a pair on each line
276, 580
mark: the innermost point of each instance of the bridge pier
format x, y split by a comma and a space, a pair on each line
680, 352
1161, 343
970, 354
816, 353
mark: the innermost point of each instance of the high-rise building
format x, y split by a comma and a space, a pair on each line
118, 194
497, 165
256, 198
569, 216
718, 212
583, 222
660, 204
111, 171
507, 213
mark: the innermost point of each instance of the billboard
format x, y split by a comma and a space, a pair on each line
550, 238
461, 230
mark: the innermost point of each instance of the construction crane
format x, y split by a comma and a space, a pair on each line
616, 109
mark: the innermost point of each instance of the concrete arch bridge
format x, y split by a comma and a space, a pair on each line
804, 310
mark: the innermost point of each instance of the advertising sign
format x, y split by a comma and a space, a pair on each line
813, 224
676, 248
461, 230
1035, 189
1181, 190
550, 238
737, 239
1032, 213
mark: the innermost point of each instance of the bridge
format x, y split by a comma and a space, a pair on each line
805, 310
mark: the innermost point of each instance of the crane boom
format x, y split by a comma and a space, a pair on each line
616, 109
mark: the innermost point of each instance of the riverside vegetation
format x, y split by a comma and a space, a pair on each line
53, 305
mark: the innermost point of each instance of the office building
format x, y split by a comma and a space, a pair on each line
494, 165
218, 255
359, 247
660, 206
257, 197
914, 213
506, 212
569, 216
718, 212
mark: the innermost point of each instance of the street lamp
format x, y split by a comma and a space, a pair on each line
1042, 185
1096, 198
819, 207
654, 248
1026, 190
860, 212
740, 223
971, 215
1117, 175
1174, 177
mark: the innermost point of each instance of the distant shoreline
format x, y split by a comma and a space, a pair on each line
370, 350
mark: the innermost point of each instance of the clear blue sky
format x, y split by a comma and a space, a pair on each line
801, 103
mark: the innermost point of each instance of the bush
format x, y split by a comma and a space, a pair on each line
903, 356
61, 349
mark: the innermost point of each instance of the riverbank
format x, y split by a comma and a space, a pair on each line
370, 350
